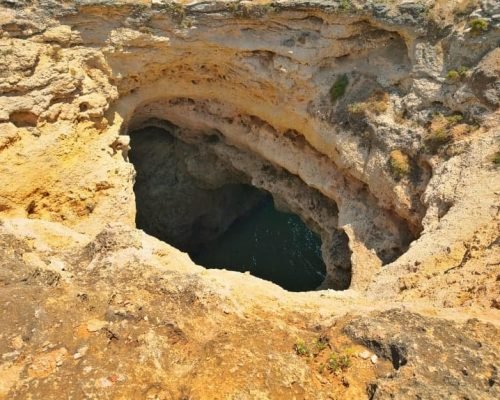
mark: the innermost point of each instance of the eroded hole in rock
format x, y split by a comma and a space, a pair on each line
189, 198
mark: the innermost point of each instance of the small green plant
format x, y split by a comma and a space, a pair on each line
320, 344
338, 362
454, 119
301, 348
339, 87
462, 71
453, 75
457, 75
399, 164
478, 26
345, 5
311, 349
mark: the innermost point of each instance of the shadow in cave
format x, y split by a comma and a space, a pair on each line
186, 197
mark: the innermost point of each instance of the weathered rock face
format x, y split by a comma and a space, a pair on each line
375, 122
406, 338
176, 207
123, 315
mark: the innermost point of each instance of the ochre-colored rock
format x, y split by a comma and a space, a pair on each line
305, 100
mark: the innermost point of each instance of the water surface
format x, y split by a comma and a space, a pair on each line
272, 245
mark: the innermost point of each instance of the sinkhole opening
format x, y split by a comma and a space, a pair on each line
189, 198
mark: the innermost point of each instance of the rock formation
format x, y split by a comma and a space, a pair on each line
376, 122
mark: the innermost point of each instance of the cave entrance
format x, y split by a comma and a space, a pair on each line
188, 198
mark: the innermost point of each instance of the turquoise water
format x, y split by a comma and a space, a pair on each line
272, 245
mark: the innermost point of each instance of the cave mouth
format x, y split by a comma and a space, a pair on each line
186, 197
270, 244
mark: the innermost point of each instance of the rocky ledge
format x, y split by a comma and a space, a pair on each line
376, 122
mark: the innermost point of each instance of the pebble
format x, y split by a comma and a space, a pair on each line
95, 325
10, 356
365, 355
81, 352
105, 383
374, 359
17, 342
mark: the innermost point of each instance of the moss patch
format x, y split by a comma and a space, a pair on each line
478, 26
339, 87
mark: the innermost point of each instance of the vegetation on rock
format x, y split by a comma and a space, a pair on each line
339, 87
457, 75
443, 129
377, 104
478, 25
399, 163
338, 362
301, 348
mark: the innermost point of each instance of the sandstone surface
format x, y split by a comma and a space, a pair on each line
376, 122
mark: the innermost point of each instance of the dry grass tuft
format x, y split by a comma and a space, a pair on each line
376, 104
399, 164
443, 130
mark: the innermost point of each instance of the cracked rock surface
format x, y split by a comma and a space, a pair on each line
375, 122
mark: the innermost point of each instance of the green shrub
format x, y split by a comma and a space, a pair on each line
301, 348
338, 362
462, 71
453, 75
339, 87
456, 75
320, 344
311, 349
478, 25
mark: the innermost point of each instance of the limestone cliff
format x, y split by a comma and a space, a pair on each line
377, 122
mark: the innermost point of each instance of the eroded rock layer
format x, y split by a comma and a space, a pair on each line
375, 122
